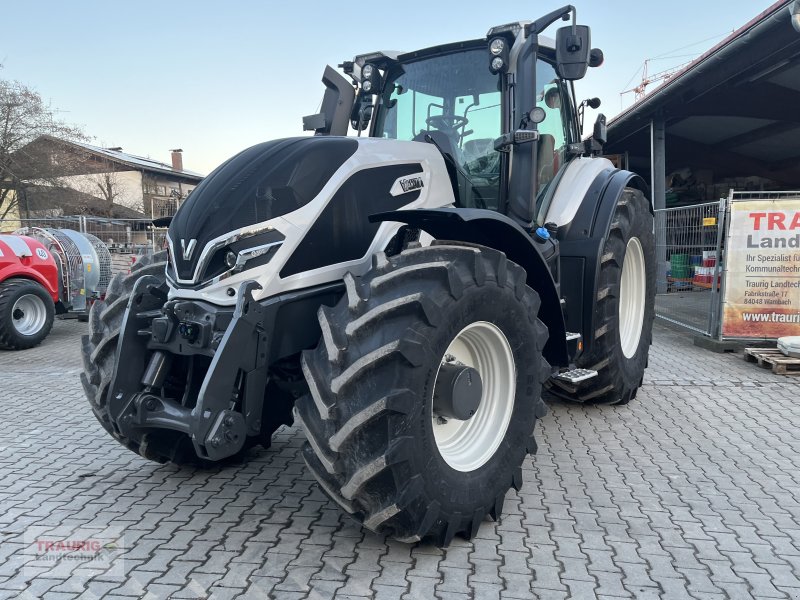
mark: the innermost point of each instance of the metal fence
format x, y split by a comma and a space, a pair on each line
125, 238
688, 251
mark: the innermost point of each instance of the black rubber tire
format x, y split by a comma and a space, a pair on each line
367, 418
99, 354
619, 377
12, 290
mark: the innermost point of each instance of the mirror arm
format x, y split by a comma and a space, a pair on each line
539, 25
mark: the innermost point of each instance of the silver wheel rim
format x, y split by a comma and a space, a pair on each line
468, 445
631, 298
28, 314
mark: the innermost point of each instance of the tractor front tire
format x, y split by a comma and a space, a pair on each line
26, 314
376, 442
624, 307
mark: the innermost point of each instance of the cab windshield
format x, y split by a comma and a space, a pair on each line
454, 101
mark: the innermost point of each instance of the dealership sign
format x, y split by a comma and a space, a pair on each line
762, 283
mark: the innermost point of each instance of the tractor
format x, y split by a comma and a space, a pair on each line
406, 285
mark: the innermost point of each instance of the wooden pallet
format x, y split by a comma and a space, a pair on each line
774, 359
681, 284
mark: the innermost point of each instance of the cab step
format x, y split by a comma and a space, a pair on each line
575, 375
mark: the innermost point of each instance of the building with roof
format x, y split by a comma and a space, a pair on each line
103, 181
730, 119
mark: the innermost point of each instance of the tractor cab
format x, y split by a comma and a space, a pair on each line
449, 96
501, 109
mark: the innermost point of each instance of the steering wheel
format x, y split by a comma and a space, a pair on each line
446, 122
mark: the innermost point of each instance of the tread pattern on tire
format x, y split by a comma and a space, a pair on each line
354, 417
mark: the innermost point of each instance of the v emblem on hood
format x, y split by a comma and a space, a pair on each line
188, 248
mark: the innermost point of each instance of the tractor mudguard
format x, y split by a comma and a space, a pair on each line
581, 242
492, 229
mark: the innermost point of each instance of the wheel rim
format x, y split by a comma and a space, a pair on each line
29, 314
468, 445
631, 298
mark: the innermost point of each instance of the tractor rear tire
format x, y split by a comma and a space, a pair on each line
374, 441
624, 307
26, 314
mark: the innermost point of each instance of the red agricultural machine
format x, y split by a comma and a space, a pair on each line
29, 292
44, 272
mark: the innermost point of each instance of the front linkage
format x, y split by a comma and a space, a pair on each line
230, 396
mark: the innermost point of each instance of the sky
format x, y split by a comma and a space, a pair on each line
213, 78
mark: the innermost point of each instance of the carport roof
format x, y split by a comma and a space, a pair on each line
735, 110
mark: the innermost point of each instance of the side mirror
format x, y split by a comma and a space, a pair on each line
573, 48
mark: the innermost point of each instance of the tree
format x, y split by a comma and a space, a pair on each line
24, 116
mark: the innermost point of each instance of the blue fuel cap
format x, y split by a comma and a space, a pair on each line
542, 234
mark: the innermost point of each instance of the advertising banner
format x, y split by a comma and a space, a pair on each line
762, 283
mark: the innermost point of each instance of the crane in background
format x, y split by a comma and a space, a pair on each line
640, 90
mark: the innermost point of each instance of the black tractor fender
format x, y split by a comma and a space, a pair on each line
582, 242
492, 229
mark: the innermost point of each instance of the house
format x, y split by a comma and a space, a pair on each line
149, 187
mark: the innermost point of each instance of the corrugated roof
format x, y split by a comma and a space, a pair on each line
138, 162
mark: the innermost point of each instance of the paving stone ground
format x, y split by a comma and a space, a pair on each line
691, 491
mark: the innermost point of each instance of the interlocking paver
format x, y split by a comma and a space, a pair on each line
690, 491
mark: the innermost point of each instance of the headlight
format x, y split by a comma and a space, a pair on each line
498, 55
367, 71
367, 86
240, 254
